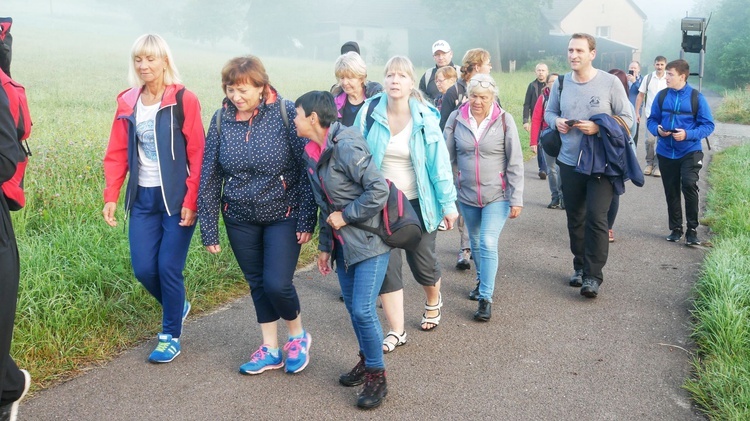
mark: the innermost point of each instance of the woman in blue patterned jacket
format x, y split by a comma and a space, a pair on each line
254, 172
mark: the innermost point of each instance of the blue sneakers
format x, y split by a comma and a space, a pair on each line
166, 350
298, 353
261, 361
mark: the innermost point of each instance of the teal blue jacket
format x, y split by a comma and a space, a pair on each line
429, 155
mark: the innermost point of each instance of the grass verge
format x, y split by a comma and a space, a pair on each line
735, 107
721, 384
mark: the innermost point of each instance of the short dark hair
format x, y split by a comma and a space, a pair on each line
591, 40
549, 76
247, 69
660, 58
680, 66
320, 102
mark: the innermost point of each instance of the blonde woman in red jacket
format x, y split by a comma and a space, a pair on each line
158, 137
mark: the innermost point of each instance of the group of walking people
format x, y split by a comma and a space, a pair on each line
274, 169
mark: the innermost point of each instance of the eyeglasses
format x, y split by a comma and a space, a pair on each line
483, 84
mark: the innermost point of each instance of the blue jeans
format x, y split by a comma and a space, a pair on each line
484, 226
553, 178
360, 286
541, 160
158, 250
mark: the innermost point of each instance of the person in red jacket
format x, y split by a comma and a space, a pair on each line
14, 382
537, 126
157, 135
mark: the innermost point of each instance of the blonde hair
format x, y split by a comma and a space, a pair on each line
448, 72
155, 46
472, 60
402, 64
350, 64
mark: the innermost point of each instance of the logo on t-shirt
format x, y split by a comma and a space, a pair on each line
145, 133
594, 102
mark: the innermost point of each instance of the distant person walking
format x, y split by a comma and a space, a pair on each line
349, 189
14, 126
537, 126
533, 92
158, 137
483, 143
443, 56
254, 173
681, 117
353, 87
650, 86
587, 92
407, 145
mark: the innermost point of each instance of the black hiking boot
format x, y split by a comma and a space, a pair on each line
357, 376
375, 389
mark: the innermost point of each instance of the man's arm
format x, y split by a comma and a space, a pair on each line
638, 105
527, 105
621, 105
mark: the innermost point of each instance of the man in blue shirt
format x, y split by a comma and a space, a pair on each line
634, 83
680, 129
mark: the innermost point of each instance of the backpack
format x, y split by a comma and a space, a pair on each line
400, 227
693, 106
284, 116
19, 109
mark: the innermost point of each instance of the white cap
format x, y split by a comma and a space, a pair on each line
441, 45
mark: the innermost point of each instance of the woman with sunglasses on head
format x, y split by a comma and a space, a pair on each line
483, 143
403, 135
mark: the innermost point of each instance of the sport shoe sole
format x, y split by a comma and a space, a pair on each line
265, 368
13, 414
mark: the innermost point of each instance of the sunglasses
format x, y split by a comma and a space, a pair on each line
483, 84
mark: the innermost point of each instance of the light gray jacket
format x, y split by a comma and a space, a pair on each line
490, 168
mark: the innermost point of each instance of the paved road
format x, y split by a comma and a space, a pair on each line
548, 353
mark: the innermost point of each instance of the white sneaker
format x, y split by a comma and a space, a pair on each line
10, 411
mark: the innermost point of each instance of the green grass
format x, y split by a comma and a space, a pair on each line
735, 108
79, 302
721, 384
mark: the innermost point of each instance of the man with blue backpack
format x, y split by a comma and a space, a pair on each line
681, 118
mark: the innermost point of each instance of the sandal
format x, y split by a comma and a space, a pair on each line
390, 346
432, 320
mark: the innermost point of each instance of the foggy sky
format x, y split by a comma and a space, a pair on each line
664, 10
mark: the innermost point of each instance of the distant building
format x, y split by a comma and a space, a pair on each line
616, 24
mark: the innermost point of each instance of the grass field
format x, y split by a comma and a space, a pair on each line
721, 382
79, 302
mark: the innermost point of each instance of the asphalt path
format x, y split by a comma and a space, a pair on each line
547, 353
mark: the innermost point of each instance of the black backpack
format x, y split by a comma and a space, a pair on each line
693, 106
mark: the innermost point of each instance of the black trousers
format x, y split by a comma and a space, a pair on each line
587, 200
681, 174
12, 381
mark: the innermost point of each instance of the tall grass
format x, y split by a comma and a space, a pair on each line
721, 384
735, 108
79, 302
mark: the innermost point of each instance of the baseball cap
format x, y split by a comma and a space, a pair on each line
440, 45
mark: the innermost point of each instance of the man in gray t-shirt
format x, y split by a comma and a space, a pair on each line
586, 91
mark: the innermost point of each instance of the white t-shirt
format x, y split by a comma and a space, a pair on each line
655, 85
148, 170
397, 165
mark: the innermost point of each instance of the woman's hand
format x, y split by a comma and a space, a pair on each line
533, 148
214, 249
187, 217
323, 263
336, 220
515, 212
303, 237
449, 220
109, 213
